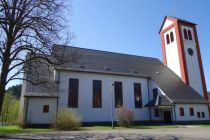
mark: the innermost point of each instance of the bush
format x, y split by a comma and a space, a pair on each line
124, 116
10, 108
66, 119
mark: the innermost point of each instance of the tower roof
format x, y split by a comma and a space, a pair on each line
172, 18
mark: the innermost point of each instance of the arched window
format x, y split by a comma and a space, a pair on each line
167, 39
185, 34
190, 35
172, 36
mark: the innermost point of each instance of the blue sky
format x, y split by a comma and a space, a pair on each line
131, 26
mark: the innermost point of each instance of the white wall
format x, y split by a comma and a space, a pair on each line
197, 108
192, 63
85, 109
167, 23
172, 56
35, 113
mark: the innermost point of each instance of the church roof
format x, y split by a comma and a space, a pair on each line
161, 100
94, 61
172, 18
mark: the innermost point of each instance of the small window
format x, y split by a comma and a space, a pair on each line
172, 36
45, 108
198, 114
203, 114
155, 93
157, 113
185, 34
191, 112
167, 39
97, 101
181, 111
190, 35
137, 95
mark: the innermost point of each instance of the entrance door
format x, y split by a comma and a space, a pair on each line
167, 116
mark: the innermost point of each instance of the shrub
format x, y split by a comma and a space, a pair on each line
124, 116
10, 108
66, 119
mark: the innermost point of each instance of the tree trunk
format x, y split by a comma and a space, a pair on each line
2, 93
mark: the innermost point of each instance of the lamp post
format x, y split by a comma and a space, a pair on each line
112, 103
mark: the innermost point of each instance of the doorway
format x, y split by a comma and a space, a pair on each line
167, 117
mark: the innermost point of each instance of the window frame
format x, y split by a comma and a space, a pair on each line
118, 94
189, 34
167, 39
137, 91
97, 91
198, 114
185, 34
45, 109
181, 111
191, 110
73, 96
202, 114
172, 36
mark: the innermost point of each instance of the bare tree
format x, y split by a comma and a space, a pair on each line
27, 27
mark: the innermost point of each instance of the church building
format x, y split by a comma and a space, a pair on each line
170, 91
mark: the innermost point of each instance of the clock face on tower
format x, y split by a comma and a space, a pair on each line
190, 51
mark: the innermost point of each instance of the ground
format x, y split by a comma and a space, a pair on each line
188, 133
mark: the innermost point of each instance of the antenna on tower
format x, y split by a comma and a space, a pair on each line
174, 12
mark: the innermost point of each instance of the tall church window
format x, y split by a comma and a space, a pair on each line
167, 39
97, 102
73, 93
118, 94
190, 35
172, 36
137, 95
185, 34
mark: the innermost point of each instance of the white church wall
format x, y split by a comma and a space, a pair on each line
192, 63
22, 109
172, 56
85, 109
35, 113
197, 108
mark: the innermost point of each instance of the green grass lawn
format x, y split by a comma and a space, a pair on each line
17, 129
97, 127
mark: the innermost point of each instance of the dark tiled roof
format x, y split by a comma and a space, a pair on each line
183, 20
124, 64
161, 100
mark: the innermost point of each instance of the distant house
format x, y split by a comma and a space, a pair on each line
171, 91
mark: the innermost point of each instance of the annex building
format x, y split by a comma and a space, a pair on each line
170, 91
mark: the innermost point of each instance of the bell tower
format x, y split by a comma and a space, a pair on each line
181, 52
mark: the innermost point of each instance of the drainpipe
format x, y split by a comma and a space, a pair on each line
26, 113
149, 109
58, 92
174, 114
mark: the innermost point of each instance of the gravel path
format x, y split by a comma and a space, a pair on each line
134, 134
